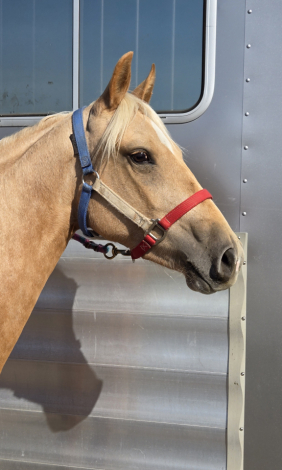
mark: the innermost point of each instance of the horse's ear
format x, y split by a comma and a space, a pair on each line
119, 83
144, 91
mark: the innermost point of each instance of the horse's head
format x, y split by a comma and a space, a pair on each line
135, 156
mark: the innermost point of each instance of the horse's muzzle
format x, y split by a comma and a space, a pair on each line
215, 275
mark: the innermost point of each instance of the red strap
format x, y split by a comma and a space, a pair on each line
170, 219
184, 207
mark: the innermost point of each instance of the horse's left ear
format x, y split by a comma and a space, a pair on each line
119, 83
144, 91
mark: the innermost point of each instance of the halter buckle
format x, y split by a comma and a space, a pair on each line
156, 225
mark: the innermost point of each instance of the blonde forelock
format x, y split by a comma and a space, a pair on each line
110, 142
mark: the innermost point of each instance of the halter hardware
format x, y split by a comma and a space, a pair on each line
148, 225
116, 251
157, 225
93, 172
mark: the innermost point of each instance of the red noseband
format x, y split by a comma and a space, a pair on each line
168, 220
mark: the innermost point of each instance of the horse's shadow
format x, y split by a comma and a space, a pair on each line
61, 381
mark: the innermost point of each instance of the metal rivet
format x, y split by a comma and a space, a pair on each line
241, 429
244, 263
246, 147
242, 373
244, 213
250, 11
245, 180
247, 113
243, 318
248, 46
248, 80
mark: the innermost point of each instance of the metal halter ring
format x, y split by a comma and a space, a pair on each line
97, 176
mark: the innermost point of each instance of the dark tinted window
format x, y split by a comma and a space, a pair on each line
167, 32
35, 56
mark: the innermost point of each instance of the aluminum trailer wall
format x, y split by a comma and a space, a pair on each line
217, 142
216, 154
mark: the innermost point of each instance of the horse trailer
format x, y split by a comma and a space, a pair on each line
121, 366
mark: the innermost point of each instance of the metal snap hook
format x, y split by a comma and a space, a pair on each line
114, 253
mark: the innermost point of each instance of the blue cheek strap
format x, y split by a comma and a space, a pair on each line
86, 166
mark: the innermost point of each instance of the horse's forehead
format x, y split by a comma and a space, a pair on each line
161, 136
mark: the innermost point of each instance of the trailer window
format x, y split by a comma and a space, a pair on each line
169, 33
58, 55
35, 56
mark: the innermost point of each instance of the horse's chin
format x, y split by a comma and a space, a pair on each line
198, 284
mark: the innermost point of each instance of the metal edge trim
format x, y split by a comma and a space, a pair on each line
236, 367
210, 56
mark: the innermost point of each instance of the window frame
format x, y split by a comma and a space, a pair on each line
168, 118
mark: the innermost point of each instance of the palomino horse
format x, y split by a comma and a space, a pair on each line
138, 164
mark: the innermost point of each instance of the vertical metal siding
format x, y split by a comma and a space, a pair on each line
261, 199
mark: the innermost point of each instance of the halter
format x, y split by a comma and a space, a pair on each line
155, 230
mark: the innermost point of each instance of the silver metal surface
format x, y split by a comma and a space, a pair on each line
172, 342
99, 443
261, 198
237, 363
126, 393
21, 465
213, 142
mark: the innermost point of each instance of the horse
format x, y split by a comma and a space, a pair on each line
142, 169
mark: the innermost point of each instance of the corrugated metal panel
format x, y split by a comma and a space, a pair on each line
106, 377
110, 444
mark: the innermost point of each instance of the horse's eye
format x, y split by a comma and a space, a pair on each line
140, 157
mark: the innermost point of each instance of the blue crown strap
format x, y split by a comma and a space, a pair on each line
78, 130
86, 165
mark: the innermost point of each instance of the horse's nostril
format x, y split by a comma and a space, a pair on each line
223, 267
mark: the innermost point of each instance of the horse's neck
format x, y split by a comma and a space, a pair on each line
36, 203
14, 147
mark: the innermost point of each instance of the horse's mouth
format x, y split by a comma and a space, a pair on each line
198, 284
195, 281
